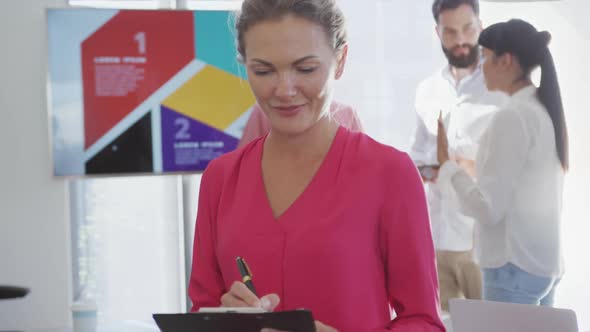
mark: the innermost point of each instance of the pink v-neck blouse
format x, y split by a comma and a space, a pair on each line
353, 246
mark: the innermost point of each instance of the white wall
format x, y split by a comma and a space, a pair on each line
34, 224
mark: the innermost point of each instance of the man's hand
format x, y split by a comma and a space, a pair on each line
442, 142
428, 173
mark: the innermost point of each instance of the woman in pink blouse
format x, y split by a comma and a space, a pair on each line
327, 219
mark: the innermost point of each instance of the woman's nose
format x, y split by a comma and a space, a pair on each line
286, 86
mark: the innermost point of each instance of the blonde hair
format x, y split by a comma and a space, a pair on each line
322, 12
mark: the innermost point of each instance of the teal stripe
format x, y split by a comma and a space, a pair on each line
84, 314
215, 41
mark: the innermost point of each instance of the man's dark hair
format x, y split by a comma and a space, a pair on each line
440, 5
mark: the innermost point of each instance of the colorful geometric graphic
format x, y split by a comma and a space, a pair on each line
188, 144
131, 152
157, 90
206, 97
203, 113
215, 45
128, 59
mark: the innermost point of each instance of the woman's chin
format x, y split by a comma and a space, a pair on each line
290, 128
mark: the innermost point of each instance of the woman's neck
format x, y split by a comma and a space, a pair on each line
313, 143
516, 85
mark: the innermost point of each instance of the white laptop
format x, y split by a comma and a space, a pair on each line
484, 316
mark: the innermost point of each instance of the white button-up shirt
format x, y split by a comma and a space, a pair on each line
467, 107
517, 199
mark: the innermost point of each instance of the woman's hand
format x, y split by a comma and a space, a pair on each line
442, 142
240, 296
319, 327
467, 164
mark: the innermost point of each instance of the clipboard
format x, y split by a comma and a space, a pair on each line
292, 321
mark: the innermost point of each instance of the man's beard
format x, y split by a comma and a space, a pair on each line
463, 61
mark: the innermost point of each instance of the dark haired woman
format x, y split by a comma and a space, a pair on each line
517, 198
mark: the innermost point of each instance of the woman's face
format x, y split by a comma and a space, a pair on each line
500, 71
291, 68
490, 69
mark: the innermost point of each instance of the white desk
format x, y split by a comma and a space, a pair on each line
126, 326
446, 319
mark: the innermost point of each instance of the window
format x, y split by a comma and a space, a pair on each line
154, 4
209, 4
129, 245
123, 4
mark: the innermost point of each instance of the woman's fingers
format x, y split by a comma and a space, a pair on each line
240, 296
270, 302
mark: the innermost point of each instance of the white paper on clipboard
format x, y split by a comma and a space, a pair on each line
240, 310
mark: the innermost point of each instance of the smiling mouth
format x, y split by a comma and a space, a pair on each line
288, 110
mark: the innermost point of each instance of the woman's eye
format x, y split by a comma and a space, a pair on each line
261, 72
306, 70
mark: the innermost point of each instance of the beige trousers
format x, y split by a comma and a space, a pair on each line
459, 276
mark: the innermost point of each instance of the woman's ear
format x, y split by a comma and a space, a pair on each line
513, 61
342, 54
505, 60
